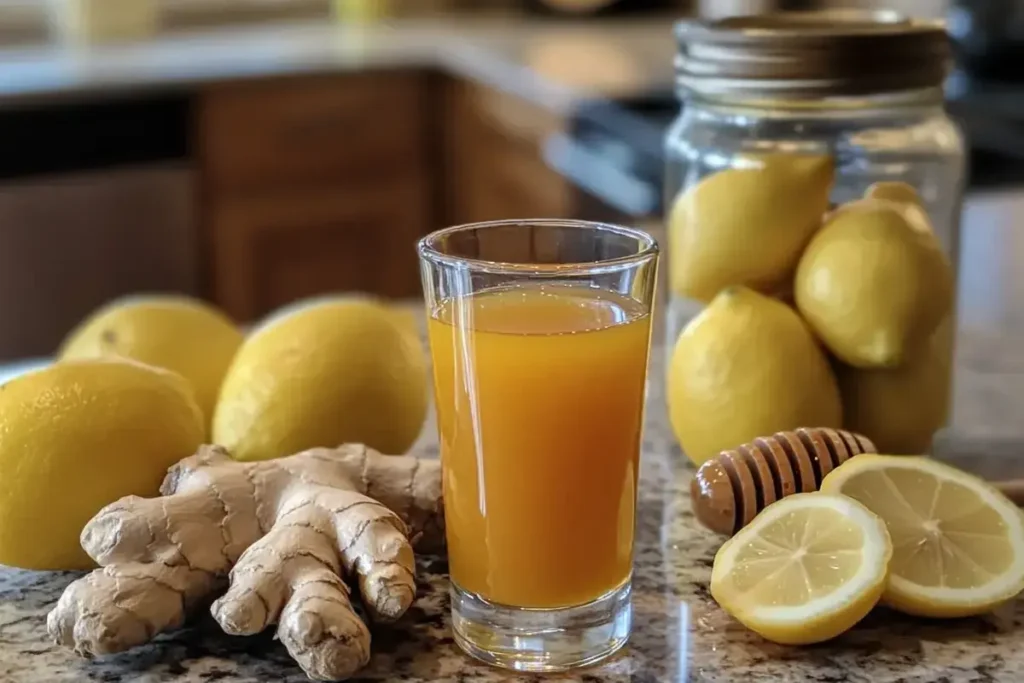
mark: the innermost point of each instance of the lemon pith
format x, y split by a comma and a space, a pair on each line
958, 542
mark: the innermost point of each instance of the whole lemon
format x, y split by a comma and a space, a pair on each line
745, 367
334, 371
900, 409
178, 333
77, 436
895, 191
874, 283
747, 225
403, 316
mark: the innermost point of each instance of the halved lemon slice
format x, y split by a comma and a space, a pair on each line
804, 570
958, 543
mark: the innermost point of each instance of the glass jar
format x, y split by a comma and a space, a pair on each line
792, 124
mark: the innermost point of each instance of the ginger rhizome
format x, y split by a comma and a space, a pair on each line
284, 534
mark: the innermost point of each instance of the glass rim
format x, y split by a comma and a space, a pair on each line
647, 248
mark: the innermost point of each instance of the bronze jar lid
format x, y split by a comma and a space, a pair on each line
797, 55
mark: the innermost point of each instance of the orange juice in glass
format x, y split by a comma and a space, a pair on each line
540, 335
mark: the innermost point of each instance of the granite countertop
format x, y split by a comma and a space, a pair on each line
552, 64
680, 634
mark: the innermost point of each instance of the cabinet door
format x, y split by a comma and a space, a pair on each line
495, 158
265, 135
70, 243
273, 249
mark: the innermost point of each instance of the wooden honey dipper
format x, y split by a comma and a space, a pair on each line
730, 489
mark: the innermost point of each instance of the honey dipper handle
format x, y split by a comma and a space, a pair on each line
1012, 489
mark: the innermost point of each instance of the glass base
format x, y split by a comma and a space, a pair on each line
542, 639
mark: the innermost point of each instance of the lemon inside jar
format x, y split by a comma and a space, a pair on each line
835, 190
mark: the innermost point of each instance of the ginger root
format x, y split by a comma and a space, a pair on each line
282, 532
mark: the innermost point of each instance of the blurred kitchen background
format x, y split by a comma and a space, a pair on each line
254, 152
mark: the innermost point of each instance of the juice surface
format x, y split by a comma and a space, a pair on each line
540, 392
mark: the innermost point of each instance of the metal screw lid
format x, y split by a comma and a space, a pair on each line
806, 55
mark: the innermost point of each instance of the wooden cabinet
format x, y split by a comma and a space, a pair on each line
71, 242
496, 167
256, 136
324, 183
315, 185
273, 249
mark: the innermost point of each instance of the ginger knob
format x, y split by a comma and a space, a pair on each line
283, 535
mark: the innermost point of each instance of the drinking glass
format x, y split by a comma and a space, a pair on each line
540, 335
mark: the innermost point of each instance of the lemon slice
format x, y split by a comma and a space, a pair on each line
958, 543
805, 570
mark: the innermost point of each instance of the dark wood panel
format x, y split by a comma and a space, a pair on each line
70, 243
495, 163
257, 136
273, 249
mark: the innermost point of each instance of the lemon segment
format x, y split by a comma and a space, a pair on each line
958, 542
805, 570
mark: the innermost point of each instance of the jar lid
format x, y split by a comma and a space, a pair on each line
811, 54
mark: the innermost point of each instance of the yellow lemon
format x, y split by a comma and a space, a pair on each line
403, 316
747, 225
330, 372
958, 542
874, 283
177, 333
805, 570
746, 366
894, 191
77, 436
901, 408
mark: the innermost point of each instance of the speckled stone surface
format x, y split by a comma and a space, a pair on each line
680, 634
